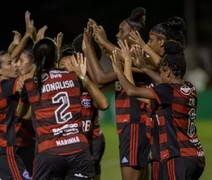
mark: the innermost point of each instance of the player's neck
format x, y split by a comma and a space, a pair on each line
177, 81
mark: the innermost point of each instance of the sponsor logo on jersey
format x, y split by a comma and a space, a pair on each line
44, 77
66, 130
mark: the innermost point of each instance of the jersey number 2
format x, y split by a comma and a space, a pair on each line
62, 118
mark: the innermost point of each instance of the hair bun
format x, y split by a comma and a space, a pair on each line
176, 23
139, 15
173, 47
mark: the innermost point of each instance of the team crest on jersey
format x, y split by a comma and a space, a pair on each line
185, 90
86, 103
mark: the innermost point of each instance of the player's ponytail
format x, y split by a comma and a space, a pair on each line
171, 29
45, 54
137, 20
174, 58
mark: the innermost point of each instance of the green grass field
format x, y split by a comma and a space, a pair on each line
110, 162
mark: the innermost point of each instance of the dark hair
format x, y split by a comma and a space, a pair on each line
174, 58
66, 50
2, 53
171, 29
45, 53
77, 45
137, 19
29, 54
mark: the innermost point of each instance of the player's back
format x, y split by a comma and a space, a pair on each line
184, 108
58, 114
129, 109
176, 116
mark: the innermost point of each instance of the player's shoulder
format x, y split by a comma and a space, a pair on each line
8, 84
59, 73
184, 89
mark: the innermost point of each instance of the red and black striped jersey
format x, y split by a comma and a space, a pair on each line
176, 115
10, 124
57, 117
152, 131
27, 131
89, 112
97, 129
129, 109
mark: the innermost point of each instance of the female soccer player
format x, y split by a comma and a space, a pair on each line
158, 35
12, 166
91, 125
54, 95
25, 65
174, 104
130, 113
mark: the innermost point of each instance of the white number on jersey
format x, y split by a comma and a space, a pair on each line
191, 122
118, 86
62, 118
86, 125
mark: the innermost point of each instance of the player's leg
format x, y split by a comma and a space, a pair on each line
49, 166
80, 166
143, 150
98, 148
134, 151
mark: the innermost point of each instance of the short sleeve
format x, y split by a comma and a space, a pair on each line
24, 96
163, 94
9, 87
153, 104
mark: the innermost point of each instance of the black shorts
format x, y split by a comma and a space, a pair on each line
27, 154
76, 166
134, 146
12, 166
182, 169
98, 148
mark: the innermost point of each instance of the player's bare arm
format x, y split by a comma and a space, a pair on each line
79, 66
102, 77
129, 88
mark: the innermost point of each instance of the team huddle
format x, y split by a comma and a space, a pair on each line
50, 96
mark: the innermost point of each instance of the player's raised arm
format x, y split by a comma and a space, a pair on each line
79, 66
126, 54
101, 76
15, 42
29, 30
136, 38
24, 108
129, 88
